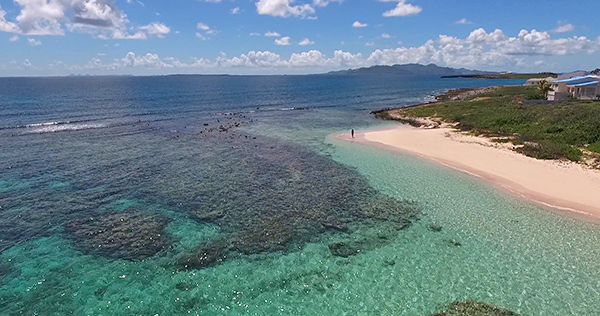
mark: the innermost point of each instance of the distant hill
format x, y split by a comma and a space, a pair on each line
410, 69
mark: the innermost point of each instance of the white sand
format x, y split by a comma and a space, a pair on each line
561, 185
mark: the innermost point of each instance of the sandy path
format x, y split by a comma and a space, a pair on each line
560, 185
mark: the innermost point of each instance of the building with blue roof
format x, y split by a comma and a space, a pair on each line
577, 87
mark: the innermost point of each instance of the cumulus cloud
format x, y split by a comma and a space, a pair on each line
14, 38
283, 41
251, 60
283, 8
155, 28
147, 61
6, 26
463, 21
235, 10
402, 9
324, 3
305, 42
101, 18
563, 28
386, 35
370, 44
272, 34
34, 42
358, 24
202, 26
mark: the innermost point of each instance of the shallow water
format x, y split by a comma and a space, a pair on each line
86, 160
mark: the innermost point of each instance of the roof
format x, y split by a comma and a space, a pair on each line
585, 84
578, 78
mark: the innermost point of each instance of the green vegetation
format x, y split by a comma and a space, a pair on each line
595, 147
543, 88
545, 131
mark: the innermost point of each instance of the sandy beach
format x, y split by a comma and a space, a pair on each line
562, 186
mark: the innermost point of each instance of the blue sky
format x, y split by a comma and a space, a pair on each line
60, 37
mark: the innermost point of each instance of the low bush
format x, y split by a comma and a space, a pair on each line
550, 150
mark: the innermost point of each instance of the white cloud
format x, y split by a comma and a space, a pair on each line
14, 38
272, 34
480, 36
255, 34
402, 9
27, 64
202, 26
386, 35
307, 59
564, 28
148, 61
6, 26
283, 8
358, 24
235, 10
305, 42
463, 21
324, 3
283, 41
157, 29
101, 18
34, 42
207, 31
370, 44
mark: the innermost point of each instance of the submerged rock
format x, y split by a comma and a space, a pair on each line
345, 250
435, 228
474, 308
131, 235
204, 257
4, 270
454, 242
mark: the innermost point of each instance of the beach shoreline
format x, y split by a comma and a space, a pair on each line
560, 186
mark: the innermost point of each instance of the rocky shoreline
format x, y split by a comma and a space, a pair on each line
397, 114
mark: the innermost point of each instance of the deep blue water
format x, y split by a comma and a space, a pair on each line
185, 195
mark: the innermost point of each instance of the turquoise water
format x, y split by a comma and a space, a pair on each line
267, 199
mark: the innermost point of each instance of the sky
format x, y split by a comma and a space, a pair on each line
152, 37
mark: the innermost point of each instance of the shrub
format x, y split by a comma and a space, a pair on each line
550, 150
595, 147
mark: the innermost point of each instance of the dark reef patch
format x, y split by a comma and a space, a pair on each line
344, 249
474, 308
269, 196
133, 235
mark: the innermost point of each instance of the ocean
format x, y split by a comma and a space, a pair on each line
228, 195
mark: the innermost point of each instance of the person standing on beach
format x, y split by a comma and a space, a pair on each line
352, 132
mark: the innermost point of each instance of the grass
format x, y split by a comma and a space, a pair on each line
546, 131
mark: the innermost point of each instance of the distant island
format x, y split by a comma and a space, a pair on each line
507, 75
410, 69
435, 70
